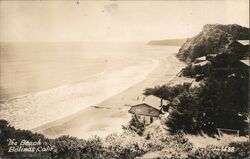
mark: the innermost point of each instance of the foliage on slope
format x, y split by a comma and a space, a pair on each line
155, 143
220, 101
127, 145
213, 39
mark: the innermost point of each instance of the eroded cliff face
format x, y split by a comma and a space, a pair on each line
213, 39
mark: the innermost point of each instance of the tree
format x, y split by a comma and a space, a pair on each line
167, 92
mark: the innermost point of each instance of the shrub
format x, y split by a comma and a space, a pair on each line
241, 151
233, 151
221, 101
9, 132
198, 72
74, 148
167, 92
135, 125
174, 147
125, 146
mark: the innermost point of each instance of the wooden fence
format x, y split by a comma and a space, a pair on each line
221, 130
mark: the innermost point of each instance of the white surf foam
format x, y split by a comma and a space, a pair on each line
32, 110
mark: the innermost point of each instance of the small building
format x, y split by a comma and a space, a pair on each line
246, 62
200, 59
210, 57
244, 42
148, 109
203, 63
235, 44
240, 48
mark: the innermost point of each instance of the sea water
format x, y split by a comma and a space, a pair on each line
41, 82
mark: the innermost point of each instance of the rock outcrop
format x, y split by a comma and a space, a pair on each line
213, 39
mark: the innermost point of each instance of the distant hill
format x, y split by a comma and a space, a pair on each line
213, 39
173, 42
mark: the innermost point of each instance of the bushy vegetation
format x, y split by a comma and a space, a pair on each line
127, 145
9, 132
241, 149
167, 92
221, 101
113, 146
196, 71
72, 147
233, 151
62, 147
135, 125
237, 31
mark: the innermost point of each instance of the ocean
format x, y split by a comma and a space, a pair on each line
32, 67
39, 80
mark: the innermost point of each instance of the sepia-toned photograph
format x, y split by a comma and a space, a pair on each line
124, 79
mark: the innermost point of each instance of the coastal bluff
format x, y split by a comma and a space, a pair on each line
213, 39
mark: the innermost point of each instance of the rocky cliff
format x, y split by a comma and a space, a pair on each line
213, 39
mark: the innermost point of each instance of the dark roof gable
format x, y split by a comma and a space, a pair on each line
144, 109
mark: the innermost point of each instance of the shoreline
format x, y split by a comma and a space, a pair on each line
26, 95
77, 97
109, 115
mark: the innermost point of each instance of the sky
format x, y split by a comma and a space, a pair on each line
61, 20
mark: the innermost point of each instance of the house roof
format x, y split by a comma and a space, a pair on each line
149, 111
212, 55
203, 63
152, 101
236, 43
244, 42
246, 62
202, 58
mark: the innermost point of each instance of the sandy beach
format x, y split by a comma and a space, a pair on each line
109, 116
32, 110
